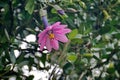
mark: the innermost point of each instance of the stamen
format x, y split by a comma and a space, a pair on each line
51, 36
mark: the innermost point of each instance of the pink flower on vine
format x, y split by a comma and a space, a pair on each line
52, 35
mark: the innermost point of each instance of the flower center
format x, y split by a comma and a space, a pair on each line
51, 35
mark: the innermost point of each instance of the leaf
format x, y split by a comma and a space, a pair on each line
67, 68
70, 22
30, 77
30, 6
105, 30
116, 36
12, 56
1, 65
43, 58
7, 35
73, 34
82, 4
31, 30
53, 11
111, 68
20, 58
88, 55
8, 67
23, 63
71, 57
77, 41
106, 15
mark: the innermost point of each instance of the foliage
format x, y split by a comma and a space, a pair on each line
93, 51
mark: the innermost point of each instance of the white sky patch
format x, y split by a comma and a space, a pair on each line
17, 53
38, 74
23, 45
31, 38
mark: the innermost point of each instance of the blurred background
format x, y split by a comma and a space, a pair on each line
93, 50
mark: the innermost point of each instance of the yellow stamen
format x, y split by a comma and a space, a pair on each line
51, 35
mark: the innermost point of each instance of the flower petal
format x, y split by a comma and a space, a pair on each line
61, 37
62, 31
66, 31
42, 43
48, 45
41, 36
55, 44
59, 27
56, 24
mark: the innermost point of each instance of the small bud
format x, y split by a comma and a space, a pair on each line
45, 21
61, 12
43, 14
59, 9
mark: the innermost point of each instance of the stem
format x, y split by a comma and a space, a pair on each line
63, 52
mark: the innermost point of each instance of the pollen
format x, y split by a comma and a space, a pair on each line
51, 36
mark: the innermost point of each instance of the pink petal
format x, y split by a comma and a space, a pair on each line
59, 27
55, 44
61, 37
41, 36
42, 46
62, 31
66, 31
42, 43
63, 26
56, 24
48, 45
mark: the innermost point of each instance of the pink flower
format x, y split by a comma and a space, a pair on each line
51, 35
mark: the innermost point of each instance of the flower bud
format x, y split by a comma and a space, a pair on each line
59, 9
43, 14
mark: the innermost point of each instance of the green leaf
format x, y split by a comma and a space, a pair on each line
30, 6
7, 35
71, 57
82, 4
23, 63
77, 41
30, 77
88, 55
67, 68
70, 22
111, 68
43, 58
105, 30
8, 67
20, 58
53, 11
116, 36
1, 65
73, 34
12, 56
31, 30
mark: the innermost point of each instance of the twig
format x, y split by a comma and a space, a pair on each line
53, 71
81, 76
